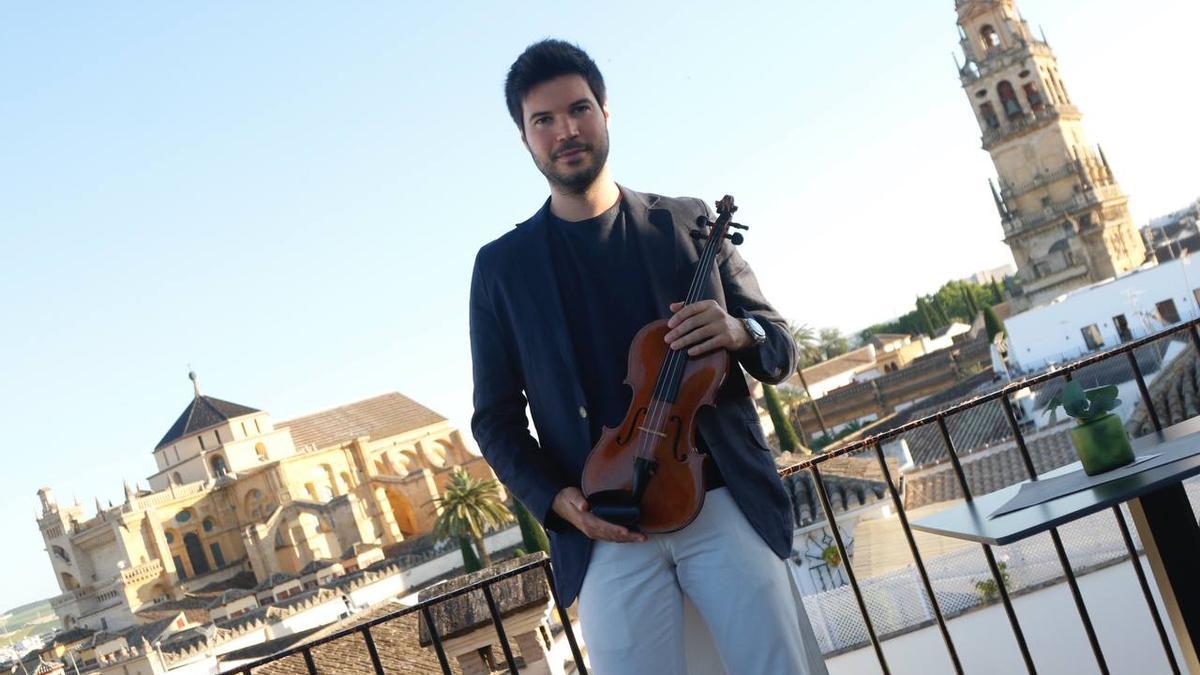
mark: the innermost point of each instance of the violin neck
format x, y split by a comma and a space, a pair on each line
670, 376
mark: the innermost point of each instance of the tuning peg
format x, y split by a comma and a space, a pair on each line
736, 238
739, 226
701, 221
697, 234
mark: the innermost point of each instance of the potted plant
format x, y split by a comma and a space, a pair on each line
831, 556
1099, 438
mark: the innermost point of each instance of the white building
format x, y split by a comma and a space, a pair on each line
1104, 314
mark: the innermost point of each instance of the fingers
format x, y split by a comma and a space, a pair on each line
692, 316
683, 311
707, 346
697, 335
598, 528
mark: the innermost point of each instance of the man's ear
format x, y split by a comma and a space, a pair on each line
524, 142
604, 109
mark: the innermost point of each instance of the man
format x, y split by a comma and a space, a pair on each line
554, 306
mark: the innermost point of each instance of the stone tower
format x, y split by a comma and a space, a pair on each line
1064, 215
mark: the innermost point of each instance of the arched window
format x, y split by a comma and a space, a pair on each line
68, 582
1034, 97
988, 114
261, 451
218, 465
62, 553
196, 555
991, 39
253, 503
178, 479
170, 536
1008, 100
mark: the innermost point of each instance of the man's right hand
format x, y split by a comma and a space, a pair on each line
572, 506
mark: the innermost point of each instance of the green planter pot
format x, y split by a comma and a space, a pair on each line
1102, 444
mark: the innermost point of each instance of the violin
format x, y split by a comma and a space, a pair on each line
646, 474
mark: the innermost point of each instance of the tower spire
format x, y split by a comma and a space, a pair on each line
195, 381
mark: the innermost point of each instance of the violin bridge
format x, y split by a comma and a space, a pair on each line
651, 431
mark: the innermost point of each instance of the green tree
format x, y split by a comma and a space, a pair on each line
467, 508
992, 323
532, 535
972, 307
833, 343
808, 345
788, 441
997, 292
927, 321
470, 560
940, 319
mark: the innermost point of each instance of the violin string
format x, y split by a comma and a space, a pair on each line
658, 409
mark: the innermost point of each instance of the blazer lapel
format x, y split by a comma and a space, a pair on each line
659, 249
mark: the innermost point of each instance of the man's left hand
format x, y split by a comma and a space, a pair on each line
705, 326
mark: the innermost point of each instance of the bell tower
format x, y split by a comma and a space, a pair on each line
1064, 216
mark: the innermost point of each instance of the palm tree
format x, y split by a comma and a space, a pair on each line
808, 345
467, 508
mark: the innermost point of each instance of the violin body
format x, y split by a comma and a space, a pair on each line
662, 432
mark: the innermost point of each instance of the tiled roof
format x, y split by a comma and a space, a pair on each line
237, 623
881, 340
314, 567
465, 613
824, 370
264, 649
202, 413
378, 417
231, 595
1113, 370
274, 580
399, 651
850, 482
136, 633
1175, 393
242, 580
990, 471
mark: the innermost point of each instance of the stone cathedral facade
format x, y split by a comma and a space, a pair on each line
1064, 215
236, 491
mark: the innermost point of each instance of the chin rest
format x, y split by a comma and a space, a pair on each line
619, 507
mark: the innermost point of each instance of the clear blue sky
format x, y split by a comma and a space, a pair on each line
289, 196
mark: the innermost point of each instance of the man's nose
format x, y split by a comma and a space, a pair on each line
568, 129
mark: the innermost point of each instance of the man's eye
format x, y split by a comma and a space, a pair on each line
541, 120
582, 108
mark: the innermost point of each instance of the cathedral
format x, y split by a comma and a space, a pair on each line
235, 491
1064, 216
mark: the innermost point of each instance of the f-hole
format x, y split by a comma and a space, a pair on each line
633, 425
680, 454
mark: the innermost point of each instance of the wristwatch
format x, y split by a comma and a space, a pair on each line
757, 334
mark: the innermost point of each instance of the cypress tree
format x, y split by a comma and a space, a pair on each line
532, 535
788, 441
939, 313
470, 559
972, 308
926, 316
997, 293
992, 323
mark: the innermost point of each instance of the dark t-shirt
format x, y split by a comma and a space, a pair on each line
602, 278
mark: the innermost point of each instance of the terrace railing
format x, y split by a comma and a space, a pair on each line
869, 444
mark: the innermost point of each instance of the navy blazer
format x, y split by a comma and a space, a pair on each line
521, 355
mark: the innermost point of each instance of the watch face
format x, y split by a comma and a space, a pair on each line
756, 331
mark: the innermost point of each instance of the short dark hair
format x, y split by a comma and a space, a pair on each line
546, 60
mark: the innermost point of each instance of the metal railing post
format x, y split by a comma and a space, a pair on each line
841, 547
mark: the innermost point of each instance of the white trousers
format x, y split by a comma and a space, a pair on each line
633, 600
